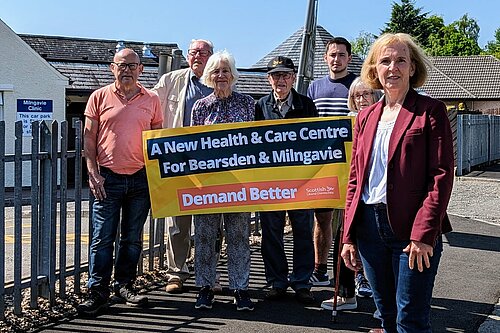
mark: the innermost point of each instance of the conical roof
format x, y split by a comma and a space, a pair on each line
291, 48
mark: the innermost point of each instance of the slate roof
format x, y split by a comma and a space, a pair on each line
85, 62
253, 83
89, 77
464, 77
291, 49
87, 50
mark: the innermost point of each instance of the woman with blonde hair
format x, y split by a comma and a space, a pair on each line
399, 186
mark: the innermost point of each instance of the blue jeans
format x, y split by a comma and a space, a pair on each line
403, 296
273, 250
128, 194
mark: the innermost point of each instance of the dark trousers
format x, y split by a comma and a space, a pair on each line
273, 251
346, 276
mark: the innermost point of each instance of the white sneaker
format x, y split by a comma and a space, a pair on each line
342, 304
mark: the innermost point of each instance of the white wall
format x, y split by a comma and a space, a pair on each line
26, 76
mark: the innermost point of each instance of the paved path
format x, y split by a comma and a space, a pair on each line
466, 290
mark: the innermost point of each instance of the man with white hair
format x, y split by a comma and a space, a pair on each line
178, 91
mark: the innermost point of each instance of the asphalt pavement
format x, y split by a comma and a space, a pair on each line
466, 290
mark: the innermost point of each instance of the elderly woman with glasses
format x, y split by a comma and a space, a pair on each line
222, 106
361, 96
399, 186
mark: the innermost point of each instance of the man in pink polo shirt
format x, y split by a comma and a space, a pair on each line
116, 116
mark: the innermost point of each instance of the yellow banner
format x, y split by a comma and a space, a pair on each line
247, 167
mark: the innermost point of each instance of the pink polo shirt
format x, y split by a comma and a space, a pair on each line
121, 122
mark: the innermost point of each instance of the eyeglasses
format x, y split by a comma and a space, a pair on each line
203, 53
365, 95
123, 66
285, 75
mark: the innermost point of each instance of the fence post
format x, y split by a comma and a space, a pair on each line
47, 257
53, 207
151, 242
35, 232
18, 218
460, 147
160, 240
78, 205
63, 208
468, 143
2, 219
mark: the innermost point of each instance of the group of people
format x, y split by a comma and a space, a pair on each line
399, 185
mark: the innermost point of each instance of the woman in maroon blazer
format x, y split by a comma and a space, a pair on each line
399, 186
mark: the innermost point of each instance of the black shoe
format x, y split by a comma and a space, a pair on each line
275, 294
95, 302
304, 296
319, 279
242, 300
205, 298
126, 294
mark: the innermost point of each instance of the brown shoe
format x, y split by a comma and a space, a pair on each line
175, 286
376, 330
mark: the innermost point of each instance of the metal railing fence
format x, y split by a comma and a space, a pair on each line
45, 242
478, 141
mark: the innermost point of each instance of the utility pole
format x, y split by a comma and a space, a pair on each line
306, 63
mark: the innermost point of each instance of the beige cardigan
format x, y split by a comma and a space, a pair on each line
171, 88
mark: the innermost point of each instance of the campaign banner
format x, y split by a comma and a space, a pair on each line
251, 166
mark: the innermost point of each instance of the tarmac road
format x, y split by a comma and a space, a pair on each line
466, 289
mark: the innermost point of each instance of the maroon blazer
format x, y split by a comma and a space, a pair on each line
419, 169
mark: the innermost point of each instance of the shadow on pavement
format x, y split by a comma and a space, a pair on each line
474, 241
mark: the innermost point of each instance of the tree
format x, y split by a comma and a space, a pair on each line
361, 45
408, 19
467, 26
458, 38
449, 41
493, 47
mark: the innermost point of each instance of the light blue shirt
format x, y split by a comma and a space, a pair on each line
195, 91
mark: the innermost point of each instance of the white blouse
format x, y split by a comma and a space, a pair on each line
374, 191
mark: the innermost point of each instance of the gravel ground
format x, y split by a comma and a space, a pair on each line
475, 198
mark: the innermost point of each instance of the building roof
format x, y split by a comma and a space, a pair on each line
88, 50
253, 83
291, 48
89, 77
464, 77
84, 61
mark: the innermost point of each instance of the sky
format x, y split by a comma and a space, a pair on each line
249, 29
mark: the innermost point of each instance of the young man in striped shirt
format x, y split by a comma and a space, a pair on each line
330, 95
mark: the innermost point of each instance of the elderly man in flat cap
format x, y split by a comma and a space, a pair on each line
283, 103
